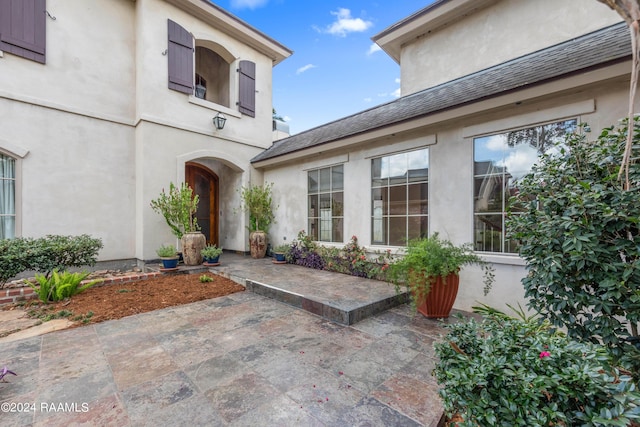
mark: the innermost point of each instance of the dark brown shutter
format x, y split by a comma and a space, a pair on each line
247, 98
180, 59
23, 28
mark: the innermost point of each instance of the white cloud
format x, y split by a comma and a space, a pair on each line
396, 93
305, 68
373, 49
368, 99
287, 118
248, 4
346, 24
397, 80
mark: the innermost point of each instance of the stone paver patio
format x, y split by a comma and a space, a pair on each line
240, 360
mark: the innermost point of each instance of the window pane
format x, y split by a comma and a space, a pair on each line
398, 231
488, 233
418, 165
380, 201
337, 204
337, 230
418, 199
337, 178
417, 227
489, 193
398, 200
313, 207
313, 229
7, 227
398, 169
7, 167
376, 173
325, 179
378, 229
313, 181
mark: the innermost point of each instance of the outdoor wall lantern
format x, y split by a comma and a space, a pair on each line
219, 120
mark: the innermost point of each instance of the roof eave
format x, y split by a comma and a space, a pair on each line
234, 27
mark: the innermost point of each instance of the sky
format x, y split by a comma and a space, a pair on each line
335, 69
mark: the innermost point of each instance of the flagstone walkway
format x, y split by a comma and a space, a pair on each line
240, 360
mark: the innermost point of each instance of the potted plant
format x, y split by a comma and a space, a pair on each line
178, 207
279, 253
169, 256
430, 269
211, 255
257, 201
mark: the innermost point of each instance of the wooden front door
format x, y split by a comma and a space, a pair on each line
205, 184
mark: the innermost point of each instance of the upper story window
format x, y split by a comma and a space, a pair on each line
325, 189
7, 197
23, 28
399, 197
499, 163
211, 80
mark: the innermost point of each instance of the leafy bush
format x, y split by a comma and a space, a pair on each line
167, 251
258, 201
61, 285
178, 208
46, 254
303, 252
579, 232
520, 372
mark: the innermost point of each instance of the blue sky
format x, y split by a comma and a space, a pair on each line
333, 72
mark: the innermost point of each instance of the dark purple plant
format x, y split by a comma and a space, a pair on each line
4, 372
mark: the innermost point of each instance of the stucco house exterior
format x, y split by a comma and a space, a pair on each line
486, 85
99, 113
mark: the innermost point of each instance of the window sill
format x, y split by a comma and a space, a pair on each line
213, 106
507, 259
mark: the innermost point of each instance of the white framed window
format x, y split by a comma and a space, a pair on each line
325, 188
499, 162
399, 197
7, 196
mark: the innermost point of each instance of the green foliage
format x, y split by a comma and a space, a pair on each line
46, 254
432, 257
352, 259
178, 208
211, 251
281, 249
257, 200
61, 285
579, 235
205, 279
166, 251
521, 372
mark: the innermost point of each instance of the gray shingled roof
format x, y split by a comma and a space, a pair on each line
595, 49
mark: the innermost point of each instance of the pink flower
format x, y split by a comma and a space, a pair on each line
544, 354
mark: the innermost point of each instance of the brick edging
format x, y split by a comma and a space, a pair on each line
17, 294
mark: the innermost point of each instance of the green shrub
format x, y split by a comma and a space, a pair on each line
178, 208
61, 285
46, 254
514, 372
579, 233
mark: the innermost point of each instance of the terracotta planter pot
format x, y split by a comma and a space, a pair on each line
258, 244
192, 245
440, 299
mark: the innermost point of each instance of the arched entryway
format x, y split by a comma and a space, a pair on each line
205, 184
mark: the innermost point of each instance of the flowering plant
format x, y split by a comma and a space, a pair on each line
521, 371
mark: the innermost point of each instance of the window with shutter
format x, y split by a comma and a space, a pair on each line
180, 53
247, 83
23, 28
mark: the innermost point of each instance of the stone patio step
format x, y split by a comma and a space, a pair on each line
337, 297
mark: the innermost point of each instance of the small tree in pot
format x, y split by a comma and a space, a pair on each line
257, 200
178, 207
430, 272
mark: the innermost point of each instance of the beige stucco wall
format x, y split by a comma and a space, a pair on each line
450, 177
159, 105
98, 133
77, 175
505, 30
91, 72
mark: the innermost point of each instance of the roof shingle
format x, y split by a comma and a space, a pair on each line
605, 46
